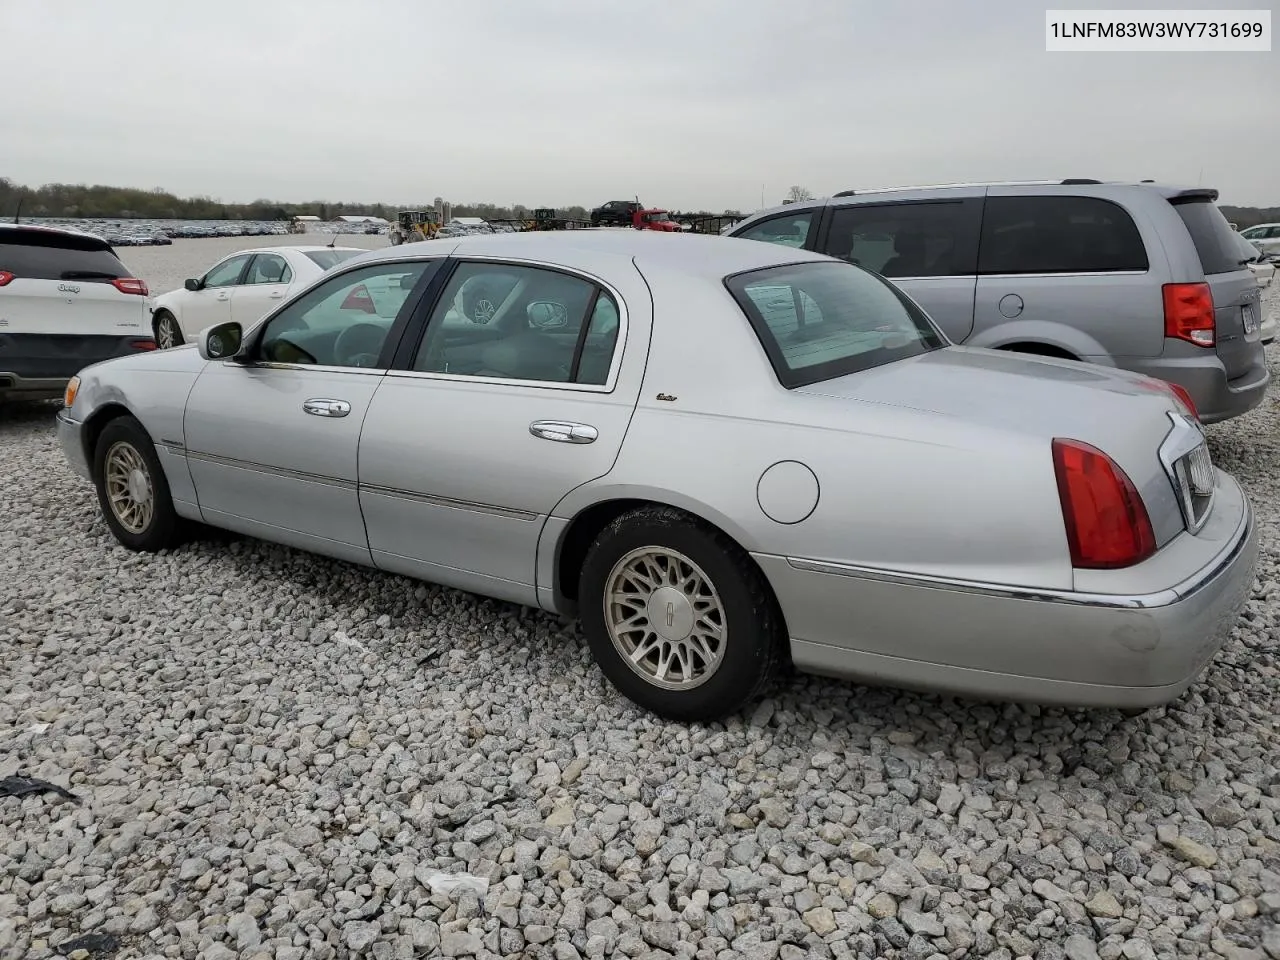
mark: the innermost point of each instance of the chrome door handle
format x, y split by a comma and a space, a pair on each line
562, 431
327, 408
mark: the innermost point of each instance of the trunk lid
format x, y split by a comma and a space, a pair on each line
1126, 415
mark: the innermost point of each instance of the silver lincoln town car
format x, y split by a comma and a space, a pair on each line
719, 454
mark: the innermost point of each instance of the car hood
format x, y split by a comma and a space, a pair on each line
1124, 413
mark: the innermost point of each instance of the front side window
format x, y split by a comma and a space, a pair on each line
1254, 233
511, 322
227, 273
936, 239
269, 268
1058, 235
345, 322
818, 321
787, 231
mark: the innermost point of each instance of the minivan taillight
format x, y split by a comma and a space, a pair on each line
1106, 520
1188, 313
130, 285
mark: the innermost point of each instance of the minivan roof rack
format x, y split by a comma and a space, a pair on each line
1072, 181
974, 183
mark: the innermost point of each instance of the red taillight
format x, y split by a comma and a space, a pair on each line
1188, 313
142, 344
1106, 520
1184, 398
359, 299
130, 285
5, 277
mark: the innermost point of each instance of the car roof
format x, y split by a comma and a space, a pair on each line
39, 229
704, 255
1166, 190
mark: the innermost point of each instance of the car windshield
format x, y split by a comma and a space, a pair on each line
818, 321
325, 259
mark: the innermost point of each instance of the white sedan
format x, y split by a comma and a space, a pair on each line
242, 287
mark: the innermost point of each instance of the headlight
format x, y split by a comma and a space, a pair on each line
69, 395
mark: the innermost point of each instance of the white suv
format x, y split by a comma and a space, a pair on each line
66, 301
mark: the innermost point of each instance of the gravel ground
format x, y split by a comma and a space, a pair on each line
275, 754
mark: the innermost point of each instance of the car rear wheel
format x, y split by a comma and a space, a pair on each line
132, 490
677, 616
168, 333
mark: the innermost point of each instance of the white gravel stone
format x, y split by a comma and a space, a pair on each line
273, 749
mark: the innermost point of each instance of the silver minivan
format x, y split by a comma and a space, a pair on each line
1142, 276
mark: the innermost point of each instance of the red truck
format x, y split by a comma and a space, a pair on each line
654, 219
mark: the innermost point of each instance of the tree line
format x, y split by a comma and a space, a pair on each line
99, 201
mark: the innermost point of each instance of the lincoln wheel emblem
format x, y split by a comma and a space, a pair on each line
671, 614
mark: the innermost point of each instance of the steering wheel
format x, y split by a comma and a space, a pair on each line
359, 345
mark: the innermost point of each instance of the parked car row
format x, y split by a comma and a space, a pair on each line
713, 499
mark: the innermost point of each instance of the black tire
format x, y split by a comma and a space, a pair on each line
754, 639
163, 528
164, 317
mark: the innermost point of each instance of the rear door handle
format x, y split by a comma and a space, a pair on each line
277, 294
327, 408
224, 296
563, 431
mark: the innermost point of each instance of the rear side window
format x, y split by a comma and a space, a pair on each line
937, 239
1058, 235
1215, 241
36, 256
789, 231
324, 259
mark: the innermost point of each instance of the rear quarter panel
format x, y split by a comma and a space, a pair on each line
898, 489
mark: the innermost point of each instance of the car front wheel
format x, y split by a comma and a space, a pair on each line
677, 616
168, 333
132, 490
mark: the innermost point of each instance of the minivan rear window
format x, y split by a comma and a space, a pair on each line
37, 255
1058, 234
1215, 241
818, 321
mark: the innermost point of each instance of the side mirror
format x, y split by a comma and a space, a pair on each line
192, 285
221, 342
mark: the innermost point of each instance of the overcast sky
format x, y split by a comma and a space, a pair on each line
690, 104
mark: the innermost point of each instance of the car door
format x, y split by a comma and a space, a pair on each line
211, 303
272, 437
928, 248
265, 284
1068, 270
495, 417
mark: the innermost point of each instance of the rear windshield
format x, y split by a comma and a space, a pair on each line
325, 259
818, 321
35, 255
1217, 244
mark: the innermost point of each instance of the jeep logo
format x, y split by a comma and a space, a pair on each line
69, 288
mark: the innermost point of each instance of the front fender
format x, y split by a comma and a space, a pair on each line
1056, 335
152, 388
